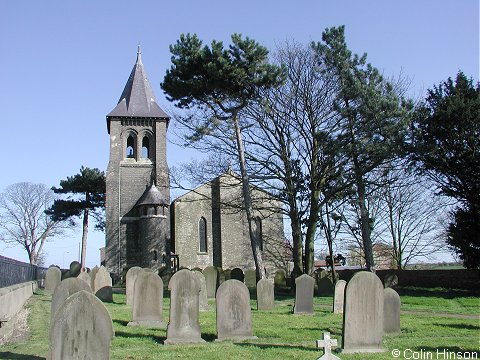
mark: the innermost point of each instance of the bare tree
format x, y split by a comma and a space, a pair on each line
23, 220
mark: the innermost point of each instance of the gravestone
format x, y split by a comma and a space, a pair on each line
237, 274
81, 329
103, 285
234, 316
227, 275
130, 278
221, 276
391, 311
327, 343
211, 279
339, 296
84, 276
280, 279
202, 297
66, 288
363, 314
390, 280
184, 326
148, 301
265, 294
93, 273
304, 286
250, 278
325, 286
52, 279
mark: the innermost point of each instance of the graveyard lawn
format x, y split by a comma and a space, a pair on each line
430, 320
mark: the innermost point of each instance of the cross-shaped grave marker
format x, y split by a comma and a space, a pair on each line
327, 344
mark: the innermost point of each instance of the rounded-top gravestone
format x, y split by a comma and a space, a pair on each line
52, 279
265, 294
66, 288
202, 297
250, 278
391, 311
280, 278
130, 278
363, 314
234, 317
339, 296
85, 277
211, 279
184, 325
237, 274
81, 329
304, 287
103, 285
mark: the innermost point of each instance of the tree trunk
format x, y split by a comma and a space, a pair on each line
329, 237
311, 230
257, 255
365, 223
297, 241
84, 237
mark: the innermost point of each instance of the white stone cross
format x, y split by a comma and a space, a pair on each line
327, 344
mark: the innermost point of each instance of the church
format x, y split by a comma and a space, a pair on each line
204, 227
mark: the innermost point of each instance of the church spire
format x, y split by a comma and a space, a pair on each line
137, 99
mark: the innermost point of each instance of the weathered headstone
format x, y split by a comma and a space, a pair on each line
304, 285
81, 329
363, 314
265, 294
327, 343
103, 285
93, 273
280, 279
325, 286
85, 277
130, 278
75, 268
234, 316
237, 274
391, 311
390, 281
66, 288
184, 326
148, 301
202, 297
221, 276
211, 278
339, 296
52, 279
250, 278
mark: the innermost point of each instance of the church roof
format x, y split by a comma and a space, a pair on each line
137, 99
152, 196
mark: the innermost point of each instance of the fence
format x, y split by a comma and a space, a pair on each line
15, 272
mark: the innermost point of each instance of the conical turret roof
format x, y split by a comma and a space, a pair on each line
152, 196
137, 99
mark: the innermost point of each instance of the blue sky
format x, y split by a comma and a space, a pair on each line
64, 65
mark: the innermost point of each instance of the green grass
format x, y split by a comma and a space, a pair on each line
431, 319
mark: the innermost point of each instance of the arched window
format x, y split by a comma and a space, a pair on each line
257, 223
145, 147
202, 235
130, 153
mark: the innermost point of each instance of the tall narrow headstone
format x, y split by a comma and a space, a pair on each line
265, 294
391, 311
237, 274
103, 285
202, 297
52, 279
85, 277
66, 288
211, 278
148, 301
184, 326
339, 296
234, 316
130, 278
325, 286
81, 329
250, 278
280, 279
363, 314
93, 274
304, 285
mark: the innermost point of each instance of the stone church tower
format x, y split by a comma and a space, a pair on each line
137, 202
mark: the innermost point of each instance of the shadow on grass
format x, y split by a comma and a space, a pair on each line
209, 337
437, 292
157, 339
121, 322
277, 346
459, 326
9, 355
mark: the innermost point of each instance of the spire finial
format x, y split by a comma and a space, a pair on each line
139, 54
